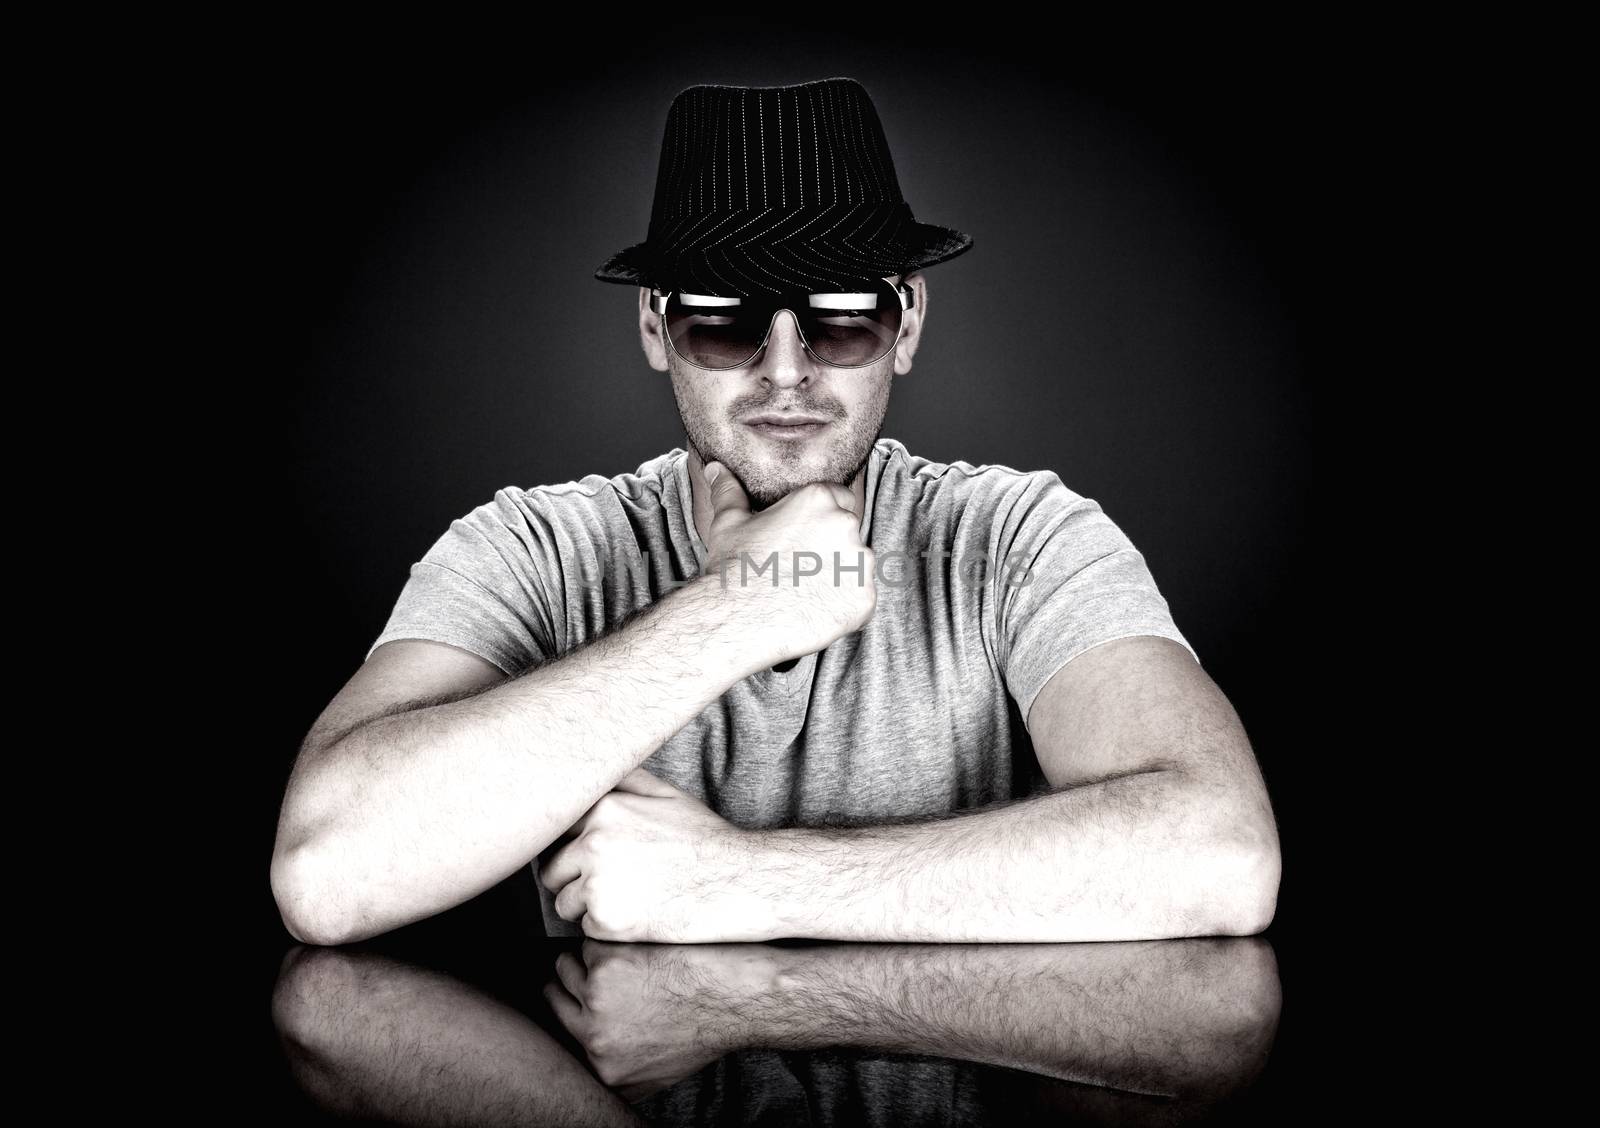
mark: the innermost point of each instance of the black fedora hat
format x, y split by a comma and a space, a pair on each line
768, 189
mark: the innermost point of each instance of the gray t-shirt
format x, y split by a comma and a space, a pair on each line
991, 580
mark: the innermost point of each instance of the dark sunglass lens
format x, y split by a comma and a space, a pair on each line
715, 336
854, 328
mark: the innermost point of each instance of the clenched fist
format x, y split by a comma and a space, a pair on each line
649, 862
649, 1015
800, 566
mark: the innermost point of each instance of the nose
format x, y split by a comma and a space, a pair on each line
784, 362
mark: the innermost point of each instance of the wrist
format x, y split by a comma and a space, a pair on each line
776, 870
730, 625
738, 991
761, 905
792, 998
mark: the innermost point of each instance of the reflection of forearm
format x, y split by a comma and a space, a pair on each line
370, 1036
1135, 857
1178, 1018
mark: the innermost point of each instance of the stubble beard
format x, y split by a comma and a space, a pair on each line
767, 482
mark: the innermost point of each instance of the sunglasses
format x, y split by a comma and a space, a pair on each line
845, 330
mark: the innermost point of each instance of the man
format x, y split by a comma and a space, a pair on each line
792, 680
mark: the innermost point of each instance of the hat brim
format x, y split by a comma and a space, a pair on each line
636, 266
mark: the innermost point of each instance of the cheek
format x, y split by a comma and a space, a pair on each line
702, 410
867, 402
691, 400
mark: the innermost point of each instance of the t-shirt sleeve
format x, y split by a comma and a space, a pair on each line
1074, 580
484, 587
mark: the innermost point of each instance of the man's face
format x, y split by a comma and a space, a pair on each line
719, 408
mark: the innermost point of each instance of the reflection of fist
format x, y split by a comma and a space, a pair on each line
649, 862
650, 1015
806, 536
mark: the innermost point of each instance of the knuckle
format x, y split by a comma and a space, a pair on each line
604, 977
607, 1066
608, 915
565, 907
601, 845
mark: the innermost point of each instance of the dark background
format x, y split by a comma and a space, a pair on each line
1157, 307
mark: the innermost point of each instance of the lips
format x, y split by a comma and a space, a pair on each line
787, 428
778, 420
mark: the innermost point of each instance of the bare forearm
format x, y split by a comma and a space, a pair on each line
414, 813
1180, 1018
367, 1035
1145, 856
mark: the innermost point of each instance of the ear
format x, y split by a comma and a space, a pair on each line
911, 332
655, 346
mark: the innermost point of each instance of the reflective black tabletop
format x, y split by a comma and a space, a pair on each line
476, 1022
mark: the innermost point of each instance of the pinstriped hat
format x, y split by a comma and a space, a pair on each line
766, 189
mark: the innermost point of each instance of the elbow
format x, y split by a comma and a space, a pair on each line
1250, 899
301, 904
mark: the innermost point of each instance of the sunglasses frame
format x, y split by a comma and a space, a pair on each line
907, 296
